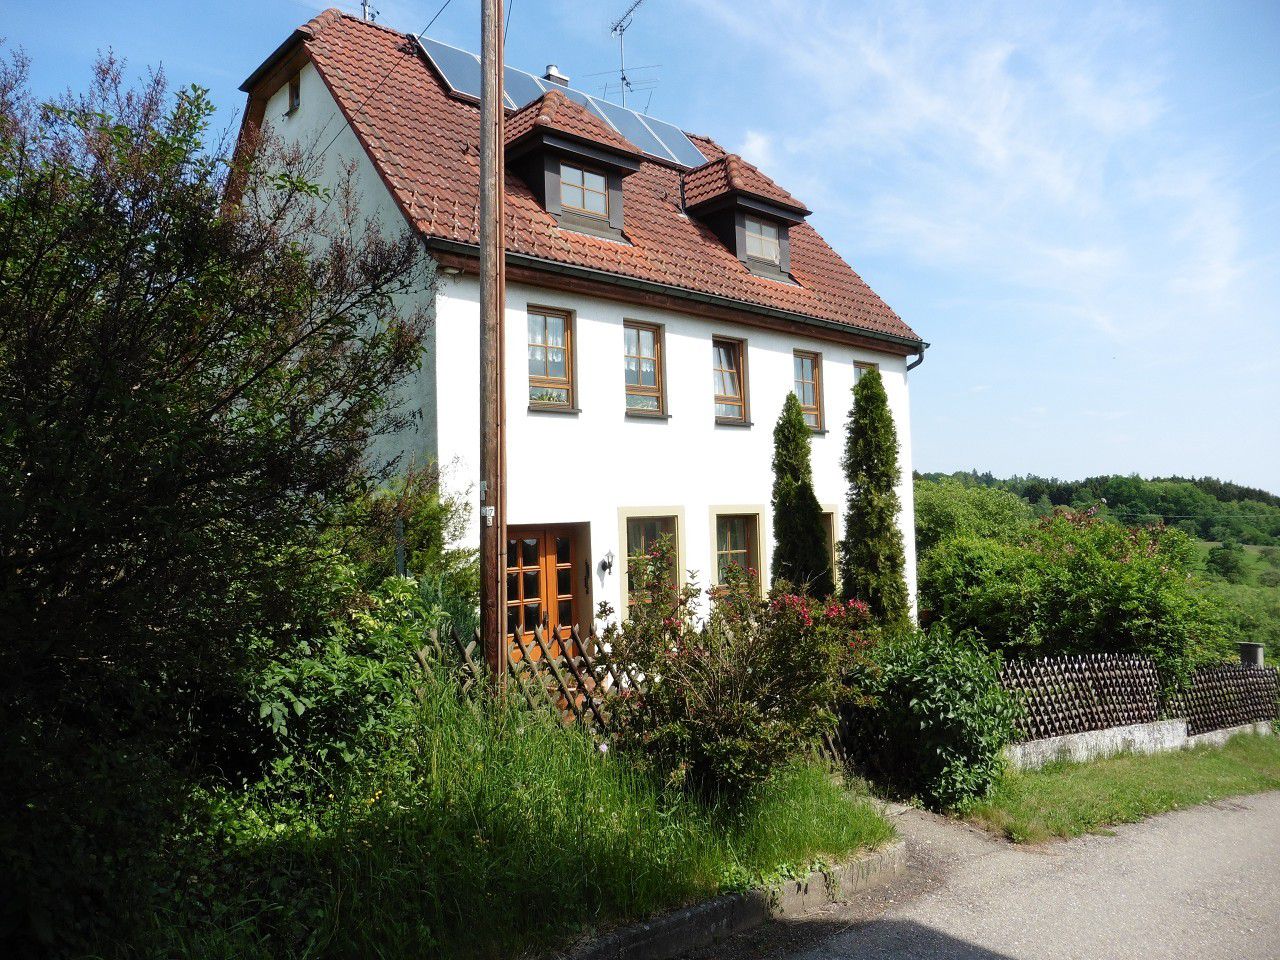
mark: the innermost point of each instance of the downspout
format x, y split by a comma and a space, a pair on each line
919, 357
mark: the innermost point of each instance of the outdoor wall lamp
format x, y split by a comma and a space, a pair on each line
606, 565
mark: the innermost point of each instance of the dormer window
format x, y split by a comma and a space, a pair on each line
762, 239
751, 214
584, 191
573, 162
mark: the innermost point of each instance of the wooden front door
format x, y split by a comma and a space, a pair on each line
541, 588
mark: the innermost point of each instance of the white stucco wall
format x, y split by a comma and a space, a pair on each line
319, 125
587, 467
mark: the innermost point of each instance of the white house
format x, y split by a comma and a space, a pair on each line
663, 298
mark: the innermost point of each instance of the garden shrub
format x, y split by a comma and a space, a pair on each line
931, 718
947, 508
727, 702
1075, 584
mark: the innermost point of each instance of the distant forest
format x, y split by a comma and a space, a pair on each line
1204, 507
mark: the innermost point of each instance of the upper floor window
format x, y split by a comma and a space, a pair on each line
860, 368
550, 359
643, 363
584, 190
730, 380
762, 239
295, 92
808, 374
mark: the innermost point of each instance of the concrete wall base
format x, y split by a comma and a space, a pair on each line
1216, 738
675, 934
1157, 737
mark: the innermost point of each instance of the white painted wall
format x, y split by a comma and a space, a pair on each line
319, 125
586, 467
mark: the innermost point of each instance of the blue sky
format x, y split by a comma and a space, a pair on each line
1079, 207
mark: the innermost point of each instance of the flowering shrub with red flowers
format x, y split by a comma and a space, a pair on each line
728, 700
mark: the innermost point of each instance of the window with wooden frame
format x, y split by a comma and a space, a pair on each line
642, 360
583, 190
762, 239
859, 368
808, 376
550, 359
643, 534
729, 367
295, 92
737, 544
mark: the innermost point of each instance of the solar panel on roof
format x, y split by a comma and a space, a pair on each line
521, 87
675, 140
629, 124
461, 71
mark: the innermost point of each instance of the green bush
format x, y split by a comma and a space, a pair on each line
931, 718
727, 702
1228, 562
1075, 584
947, 508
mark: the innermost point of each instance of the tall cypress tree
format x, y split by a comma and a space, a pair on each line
871, 554
800, 550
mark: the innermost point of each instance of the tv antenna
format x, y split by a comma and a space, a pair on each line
367, 13
619, 30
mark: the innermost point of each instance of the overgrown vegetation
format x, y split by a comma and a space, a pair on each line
1067, 800
433, 846
872, 559
1072, 583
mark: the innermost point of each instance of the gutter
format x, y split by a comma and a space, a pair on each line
651, 286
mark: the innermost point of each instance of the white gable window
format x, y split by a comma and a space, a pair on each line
762, 239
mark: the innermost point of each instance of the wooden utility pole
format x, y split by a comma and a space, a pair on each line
493, 491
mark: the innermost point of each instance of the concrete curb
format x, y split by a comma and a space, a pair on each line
698, 926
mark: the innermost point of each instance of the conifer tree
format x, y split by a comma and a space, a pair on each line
800, 548
871, 555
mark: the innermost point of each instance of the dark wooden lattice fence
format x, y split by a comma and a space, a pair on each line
570, 676
1061, 695
1228, 696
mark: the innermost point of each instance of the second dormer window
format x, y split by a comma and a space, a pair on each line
584, 191
762, 240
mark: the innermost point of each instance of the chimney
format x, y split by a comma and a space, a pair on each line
553, 75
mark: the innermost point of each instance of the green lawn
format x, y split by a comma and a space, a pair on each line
1070, 799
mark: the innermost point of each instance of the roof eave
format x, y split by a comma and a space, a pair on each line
298, 36
914, 345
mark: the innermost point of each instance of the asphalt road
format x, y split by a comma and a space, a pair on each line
1199, 884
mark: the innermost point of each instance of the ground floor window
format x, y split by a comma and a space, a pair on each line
643, 533
736, 543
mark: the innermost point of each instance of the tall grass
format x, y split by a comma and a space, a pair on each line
490, 831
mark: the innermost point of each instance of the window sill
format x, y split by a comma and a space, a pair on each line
729, 422
554, 408
643, 415
819, 431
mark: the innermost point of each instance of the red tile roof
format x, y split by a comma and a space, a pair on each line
731, 174
425, 144
554, 111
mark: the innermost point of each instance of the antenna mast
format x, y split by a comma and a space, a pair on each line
619, 30
367, 12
